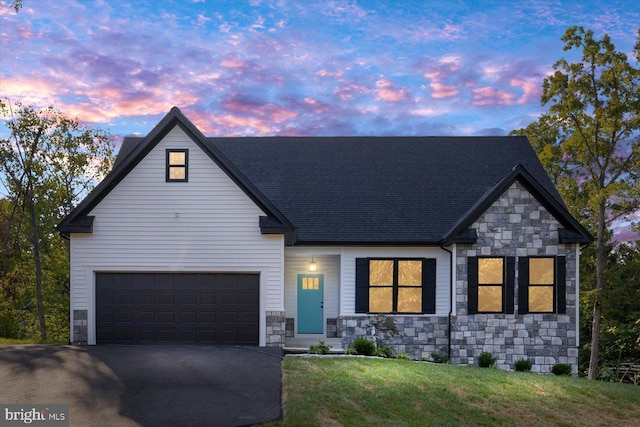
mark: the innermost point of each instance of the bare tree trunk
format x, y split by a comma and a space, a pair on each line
35, 241
597, 307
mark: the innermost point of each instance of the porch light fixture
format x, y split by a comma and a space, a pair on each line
313, 266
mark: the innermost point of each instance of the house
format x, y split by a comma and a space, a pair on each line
463, 241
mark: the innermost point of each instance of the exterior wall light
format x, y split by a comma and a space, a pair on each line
313, 266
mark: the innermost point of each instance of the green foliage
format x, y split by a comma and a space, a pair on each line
403, 356
439, 358
561, 369
486, 360
350, 351
385, 328
384, 351
321, 348
588, 142
364, 346
620, 330
47, 163
523, 365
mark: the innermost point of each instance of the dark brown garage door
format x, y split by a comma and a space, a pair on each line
189, 308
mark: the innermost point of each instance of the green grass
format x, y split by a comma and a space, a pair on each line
380, 392
16, 341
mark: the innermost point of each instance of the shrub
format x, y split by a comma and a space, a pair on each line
402, 356
524, 365
486, 360
321, 348
384, 351
364, 346
561, 369
350, 351
439, 358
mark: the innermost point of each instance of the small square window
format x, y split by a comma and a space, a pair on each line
177, 165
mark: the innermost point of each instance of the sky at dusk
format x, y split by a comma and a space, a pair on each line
297, 67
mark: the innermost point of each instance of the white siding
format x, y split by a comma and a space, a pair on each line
348, 269
328, 266
147, 224
296, 259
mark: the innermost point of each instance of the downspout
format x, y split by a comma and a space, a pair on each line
450, 300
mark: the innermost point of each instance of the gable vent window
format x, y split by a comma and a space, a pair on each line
177, 165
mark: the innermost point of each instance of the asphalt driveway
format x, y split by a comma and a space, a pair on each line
146, 385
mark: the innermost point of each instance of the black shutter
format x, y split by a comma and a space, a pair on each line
362, 285
429, 286
472, 285
510, 283
523, 285
561, 284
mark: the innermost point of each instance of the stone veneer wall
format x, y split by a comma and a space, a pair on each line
80, 327
418, 336
516, 225
276, 328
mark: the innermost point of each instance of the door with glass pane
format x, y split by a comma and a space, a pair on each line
310, 304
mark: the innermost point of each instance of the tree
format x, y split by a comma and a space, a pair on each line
590, 140
15, 5
46, 163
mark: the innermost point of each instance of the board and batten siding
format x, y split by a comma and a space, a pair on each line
207, 224
348, 269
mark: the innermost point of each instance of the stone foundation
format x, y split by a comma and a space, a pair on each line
80, 327
418, 336
276, 328
545, 339
290, 327
332, 328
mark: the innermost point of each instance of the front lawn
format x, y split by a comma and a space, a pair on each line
350, 391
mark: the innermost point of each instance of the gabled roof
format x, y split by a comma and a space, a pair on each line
572, 233
135, 149
389, 190
362, 190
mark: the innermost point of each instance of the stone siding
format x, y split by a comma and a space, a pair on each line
80, 327
516, 225
418, 336
276, 328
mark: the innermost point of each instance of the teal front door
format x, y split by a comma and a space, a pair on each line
310, 303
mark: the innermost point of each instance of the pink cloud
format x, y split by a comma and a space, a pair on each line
348, 90
234, 63
485, 96
441, 90
387, 91
531, 89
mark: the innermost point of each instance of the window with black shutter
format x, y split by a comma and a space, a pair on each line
491, 284
395, 285
542, 285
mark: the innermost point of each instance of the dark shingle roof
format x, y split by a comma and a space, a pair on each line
378, 189
357, 190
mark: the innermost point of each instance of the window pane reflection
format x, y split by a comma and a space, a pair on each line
409, 273
541, 271
380, 300
381, 273
177, 158
177, 172
490, 298
490, 271
409, 300
541, 299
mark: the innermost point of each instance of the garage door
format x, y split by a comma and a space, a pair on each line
189, 308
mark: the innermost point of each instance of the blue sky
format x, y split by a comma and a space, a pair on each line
304, 67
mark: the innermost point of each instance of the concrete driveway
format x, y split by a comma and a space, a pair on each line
146, 385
